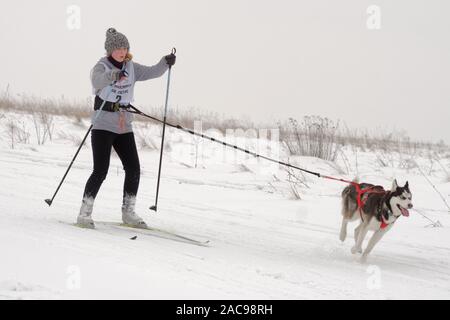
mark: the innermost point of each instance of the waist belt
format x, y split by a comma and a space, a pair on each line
109, 106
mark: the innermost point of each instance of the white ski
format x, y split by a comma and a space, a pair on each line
149, 231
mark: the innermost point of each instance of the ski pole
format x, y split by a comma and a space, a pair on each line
50, 201
155, 207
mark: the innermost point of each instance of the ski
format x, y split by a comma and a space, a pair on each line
157, 232
149, 231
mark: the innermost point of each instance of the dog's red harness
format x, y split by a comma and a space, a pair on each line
383, 223
361, 202
361, 193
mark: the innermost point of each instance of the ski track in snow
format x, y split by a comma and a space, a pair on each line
262, 245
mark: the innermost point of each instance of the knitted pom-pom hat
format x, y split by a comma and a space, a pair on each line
115, 40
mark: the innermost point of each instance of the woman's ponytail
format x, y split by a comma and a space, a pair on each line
128, 57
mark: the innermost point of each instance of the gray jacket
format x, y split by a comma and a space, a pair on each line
102, 76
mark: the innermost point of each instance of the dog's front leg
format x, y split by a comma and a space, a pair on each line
363, 229
377, 235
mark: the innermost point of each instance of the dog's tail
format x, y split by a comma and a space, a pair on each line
347, 196
348, 189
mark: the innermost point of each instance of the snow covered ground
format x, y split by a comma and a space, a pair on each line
263, 243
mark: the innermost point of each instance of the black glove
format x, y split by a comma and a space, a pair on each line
118, 74
170, 59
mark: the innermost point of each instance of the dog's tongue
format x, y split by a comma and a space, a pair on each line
405, 212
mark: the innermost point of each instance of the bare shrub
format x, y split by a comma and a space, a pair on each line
314, 136
43, 125
346, 163
434, 187
11, 132
295, 181
30, 103
385, 158
290, 186
17, 133
6, 101
396, 141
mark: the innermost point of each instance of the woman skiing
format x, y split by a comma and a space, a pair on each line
113, 79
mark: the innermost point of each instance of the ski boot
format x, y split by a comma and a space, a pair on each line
84, 219
129, 217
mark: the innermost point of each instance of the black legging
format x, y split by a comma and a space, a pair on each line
125, 147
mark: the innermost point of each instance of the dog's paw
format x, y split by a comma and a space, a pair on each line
356, 250
342, 237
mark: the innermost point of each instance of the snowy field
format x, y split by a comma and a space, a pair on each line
263, 243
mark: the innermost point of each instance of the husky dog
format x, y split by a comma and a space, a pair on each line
380, 211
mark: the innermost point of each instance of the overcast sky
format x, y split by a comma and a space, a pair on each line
263, 59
